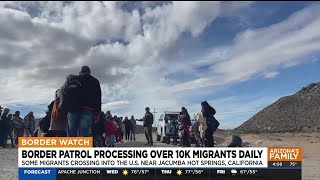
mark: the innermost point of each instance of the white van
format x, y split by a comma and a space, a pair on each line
165, 121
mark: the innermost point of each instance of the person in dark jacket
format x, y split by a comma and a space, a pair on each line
147, 124
98, 130
4, 124
133, 129
186, 123
120, 129
44, 123
1, 129
128, 126
180, 129
208, 112
108, 115
18, 126
79, 123
29, 124
10, 126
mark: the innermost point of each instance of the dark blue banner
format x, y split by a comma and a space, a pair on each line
37, 173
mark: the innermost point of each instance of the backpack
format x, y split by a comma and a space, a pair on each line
44, 123
216, 124
213, 123
70, 96
188, 120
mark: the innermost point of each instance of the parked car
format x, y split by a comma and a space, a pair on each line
167, 125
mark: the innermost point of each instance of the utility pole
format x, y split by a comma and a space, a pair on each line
154, 114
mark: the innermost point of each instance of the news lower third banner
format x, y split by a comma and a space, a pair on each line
40, 157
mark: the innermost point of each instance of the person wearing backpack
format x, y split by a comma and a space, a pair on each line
212, 124
186, 123
44, 123
86, 93
58, 119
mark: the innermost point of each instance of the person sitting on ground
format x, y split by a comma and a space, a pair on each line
58, 122
18, 128
235, 141
29, 124
110, 130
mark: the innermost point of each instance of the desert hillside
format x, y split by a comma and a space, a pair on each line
298, 112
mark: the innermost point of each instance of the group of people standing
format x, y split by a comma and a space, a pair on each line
75, 108
13, 126
114, 130
184, 128
76, 111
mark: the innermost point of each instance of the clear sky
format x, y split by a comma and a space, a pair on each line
239, 56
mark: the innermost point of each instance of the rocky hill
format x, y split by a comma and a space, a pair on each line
298, 112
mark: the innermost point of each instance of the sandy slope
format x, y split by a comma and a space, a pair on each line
309, 142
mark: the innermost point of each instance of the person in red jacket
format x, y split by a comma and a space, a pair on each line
110, 130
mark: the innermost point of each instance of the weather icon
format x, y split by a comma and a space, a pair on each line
125, 172
234, 171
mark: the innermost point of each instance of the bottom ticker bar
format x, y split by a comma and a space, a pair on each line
160, 174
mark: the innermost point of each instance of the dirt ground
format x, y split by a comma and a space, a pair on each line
309, 142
